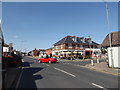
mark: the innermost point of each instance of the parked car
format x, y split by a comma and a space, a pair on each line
47, 60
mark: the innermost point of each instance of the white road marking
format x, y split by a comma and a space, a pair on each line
99, 86
35, 74
47, 64
64, 72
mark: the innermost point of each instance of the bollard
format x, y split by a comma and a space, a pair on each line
92, 62
98, 61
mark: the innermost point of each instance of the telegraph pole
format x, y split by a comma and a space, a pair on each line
108, 22
92, 63
90, 47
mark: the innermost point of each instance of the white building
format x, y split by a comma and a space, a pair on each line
5, 49
114, 50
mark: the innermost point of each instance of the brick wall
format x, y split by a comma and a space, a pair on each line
48, 51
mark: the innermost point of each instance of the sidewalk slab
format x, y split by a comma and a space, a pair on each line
103, 67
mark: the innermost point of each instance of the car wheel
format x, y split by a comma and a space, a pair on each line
39, 61
49, 61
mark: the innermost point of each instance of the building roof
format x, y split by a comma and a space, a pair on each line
75, 40
5, 45
115, 39
41, 49
49, 48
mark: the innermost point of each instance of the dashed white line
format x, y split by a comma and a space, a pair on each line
99, 86
64, 72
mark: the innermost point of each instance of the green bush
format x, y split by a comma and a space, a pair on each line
12, 61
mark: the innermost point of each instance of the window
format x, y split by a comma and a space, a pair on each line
61, 46
56, 53
76, 46
56, 47
82, 40
81, 46
70, 45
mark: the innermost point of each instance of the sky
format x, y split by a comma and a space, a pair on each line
0, 10
30, 25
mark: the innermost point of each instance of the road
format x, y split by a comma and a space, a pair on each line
62, 75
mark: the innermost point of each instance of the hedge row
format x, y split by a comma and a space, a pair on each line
11, 61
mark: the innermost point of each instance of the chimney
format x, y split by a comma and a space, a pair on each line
89, 40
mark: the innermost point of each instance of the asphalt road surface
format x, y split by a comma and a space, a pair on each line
62, 75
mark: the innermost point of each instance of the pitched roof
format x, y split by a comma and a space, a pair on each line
69, 39
49, 48
6, 45
115, 39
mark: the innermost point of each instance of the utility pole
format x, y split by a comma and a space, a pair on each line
92, 63
90, 47
108, 22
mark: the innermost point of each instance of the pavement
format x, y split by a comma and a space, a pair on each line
103, 67
11, 76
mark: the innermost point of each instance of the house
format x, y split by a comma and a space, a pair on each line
114, 50
35, 52
115, 40
72, 45
7, 49
48, 51
41, 51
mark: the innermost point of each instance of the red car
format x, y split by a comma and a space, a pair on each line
47, 60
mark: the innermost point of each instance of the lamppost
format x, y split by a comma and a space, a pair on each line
108, 22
